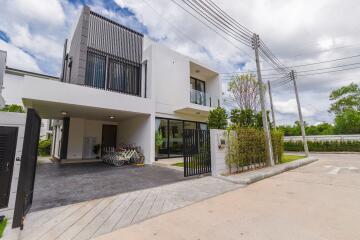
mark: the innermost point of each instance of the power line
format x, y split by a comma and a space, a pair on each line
221, 22
218, 24
341, 70
211, 28
302, 65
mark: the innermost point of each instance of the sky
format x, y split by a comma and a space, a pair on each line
297, 31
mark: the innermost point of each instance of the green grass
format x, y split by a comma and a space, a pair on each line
2, 227
290, 158
179, 164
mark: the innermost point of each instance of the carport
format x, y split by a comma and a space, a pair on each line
63, 184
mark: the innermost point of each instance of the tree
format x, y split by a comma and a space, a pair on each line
345, 98
347, 122
246, 92
243, 118
218, 118
13, 108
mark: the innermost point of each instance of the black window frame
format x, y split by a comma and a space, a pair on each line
168, 134
131, 72
197, 81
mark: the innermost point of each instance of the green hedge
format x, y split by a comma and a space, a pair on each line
44, 147
324, 146
247, 148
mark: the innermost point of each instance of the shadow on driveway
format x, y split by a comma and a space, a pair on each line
58, 185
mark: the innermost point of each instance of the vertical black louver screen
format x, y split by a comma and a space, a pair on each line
114, 56
95, 70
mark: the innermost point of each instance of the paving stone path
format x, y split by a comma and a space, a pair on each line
93, 218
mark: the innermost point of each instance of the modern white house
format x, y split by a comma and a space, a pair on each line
118, 88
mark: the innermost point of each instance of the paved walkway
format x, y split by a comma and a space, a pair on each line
319, 201
90, 219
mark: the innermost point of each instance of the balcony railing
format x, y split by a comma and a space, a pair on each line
202, 98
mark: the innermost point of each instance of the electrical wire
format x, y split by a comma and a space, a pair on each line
211, 28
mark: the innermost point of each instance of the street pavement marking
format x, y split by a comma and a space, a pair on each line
336, 170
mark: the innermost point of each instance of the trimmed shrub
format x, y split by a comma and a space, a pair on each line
44, 147
247, 148
323, 146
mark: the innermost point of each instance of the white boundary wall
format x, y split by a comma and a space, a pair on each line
349, 137
18, 120
218, 154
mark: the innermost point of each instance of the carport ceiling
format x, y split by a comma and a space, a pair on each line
51, 110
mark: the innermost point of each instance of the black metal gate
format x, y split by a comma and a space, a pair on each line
197, 158
8, 138
25, 188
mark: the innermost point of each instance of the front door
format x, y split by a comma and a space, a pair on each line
8, 138
109, 136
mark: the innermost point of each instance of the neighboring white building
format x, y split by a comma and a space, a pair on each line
12, 92
117, 88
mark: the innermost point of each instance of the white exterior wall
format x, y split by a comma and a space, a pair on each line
168, 73
139, 131
13, 88
76, 138
170, 77
14, 120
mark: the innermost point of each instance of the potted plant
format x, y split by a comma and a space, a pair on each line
159, 140
96, 150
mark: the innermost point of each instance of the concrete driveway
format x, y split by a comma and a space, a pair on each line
58, 185
318, 201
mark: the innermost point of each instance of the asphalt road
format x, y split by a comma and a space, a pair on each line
317, 201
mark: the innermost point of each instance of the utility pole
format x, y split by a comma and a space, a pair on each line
303, 133
272, 105
256, 45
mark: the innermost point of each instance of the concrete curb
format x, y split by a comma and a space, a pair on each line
257, 175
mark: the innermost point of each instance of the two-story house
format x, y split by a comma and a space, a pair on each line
118, 88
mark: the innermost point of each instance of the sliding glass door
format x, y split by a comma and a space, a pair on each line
175, 138
169, 136
161, 138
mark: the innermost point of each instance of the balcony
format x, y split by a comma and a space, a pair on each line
202, 98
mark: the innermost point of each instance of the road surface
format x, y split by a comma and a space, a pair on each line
318, 201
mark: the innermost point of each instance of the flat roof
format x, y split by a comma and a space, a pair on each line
23, 72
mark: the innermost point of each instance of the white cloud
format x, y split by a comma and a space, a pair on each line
43, 11
17, 58
290, 107
39, 45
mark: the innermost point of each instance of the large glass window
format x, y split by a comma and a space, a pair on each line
124, 77
161, 138
121, 76
203, 126
169, 136
189, 125
197, 94
95, 70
